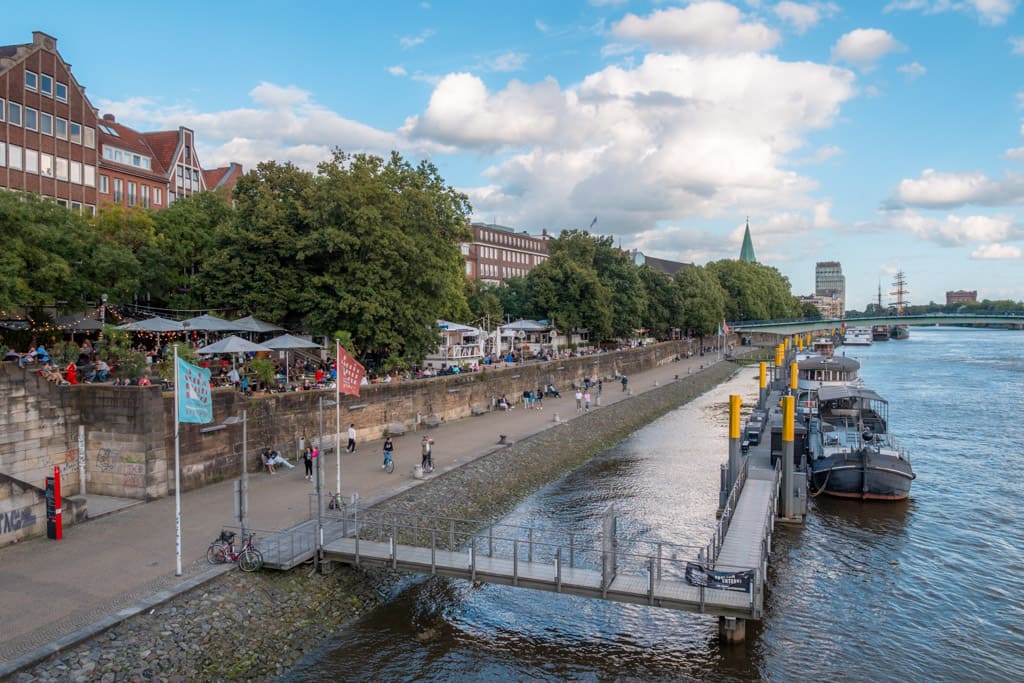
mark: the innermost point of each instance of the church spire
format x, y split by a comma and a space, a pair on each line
747, 250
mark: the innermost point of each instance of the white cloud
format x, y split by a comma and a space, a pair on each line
397, 70
801, 16
1014, 154
935, 189
912, 70
283, 123
508, 61
412, 41
823, 215
1017, 45
863, 47
989, 12
988, 252
955, 231
703, 27
669, 139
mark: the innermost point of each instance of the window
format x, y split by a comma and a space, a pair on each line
195, 177
45, 123
31, 80
108, 130
156, 196
89, 178
104, 184
75, 132
14, 157
3, 108
46, 165
61, 129
63, 202
46, 85
90, 210
3, 154
188, 154
76, 206
76, 172
145, 195
62, 92
131, 193
118, 190
31, 119
62, 169
31, 161
14, 113
90, 137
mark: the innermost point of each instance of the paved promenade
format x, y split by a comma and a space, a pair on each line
52, 589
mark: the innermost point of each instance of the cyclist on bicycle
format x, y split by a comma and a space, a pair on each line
389, 449
427, 462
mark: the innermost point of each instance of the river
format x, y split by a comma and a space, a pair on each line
928, 589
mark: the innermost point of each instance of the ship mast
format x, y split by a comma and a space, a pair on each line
900, 283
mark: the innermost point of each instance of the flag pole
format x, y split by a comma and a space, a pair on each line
177, 469
337, 410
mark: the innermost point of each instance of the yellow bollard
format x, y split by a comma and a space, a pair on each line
734, 416
793, 373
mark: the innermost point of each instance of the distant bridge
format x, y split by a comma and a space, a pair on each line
784, 327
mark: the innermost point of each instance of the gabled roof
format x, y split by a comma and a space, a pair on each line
164, 144
225, 176
129, 140
664, 265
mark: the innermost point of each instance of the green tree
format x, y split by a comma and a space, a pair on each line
664, 311
703, 300
754, 291
514, 296
572, 296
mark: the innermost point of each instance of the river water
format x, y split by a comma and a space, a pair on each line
930, 589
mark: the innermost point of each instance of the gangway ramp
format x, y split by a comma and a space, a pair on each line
654, 575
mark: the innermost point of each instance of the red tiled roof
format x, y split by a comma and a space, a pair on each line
164, 145
129, 140
225, 176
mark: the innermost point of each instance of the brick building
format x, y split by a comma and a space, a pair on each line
961, 296
47, 126
53, 143
497, 253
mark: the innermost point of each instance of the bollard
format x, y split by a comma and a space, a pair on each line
557, 420
417, 471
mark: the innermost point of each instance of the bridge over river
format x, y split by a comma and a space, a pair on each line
786, 327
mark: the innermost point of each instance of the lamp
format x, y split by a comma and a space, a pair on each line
243, 493
319, 478
103, 309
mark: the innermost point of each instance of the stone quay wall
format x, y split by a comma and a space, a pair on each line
129, 431
203, 634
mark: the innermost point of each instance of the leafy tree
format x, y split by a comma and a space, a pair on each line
572, 295
754, 291
514, 296
703, 300
484, 301
664, 310
810, 311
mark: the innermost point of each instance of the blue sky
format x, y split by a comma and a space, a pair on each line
885, 135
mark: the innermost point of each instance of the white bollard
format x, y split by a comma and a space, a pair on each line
417, 471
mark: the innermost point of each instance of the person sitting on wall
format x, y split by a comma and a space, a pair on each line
503, 403
71, 373
27, 357
12, 355
102, 370
267, 460
51, 373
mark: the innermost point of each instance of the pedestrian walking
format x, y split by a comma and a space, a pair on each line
586, 401
426, 461
538, 399
600, 385
579, 401
307, 460
625, 381
351, 438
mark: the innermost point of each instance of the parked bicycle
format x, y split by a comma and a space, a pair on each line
248, 557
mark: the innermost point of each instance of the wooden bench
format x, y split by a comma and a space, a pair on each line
431, 421
477, 409
394, 429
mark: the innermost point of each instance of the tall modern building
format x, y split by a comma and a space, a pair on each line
829, 282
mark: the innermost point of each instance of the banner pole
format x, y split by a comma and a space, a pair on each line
177, 469
337, 410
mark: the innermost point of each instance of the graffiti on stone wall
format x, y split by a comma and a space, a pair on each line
134, 473
105, 458
15, 520
70, 464
130, 466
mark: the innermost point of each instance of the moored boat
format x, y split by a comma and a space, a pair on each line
857, 336
853, 455
899, 332
880, 333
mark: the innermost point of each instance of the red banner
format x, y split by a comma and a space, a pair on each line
350, 373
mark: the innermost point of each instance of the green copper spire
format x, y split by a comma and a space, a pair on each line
747, 250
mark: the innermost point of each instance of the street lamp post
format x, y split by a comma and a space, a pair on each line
319, 478
103, 309
243, 496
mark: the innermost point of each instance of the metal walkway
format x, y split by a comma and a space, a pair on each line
594, 566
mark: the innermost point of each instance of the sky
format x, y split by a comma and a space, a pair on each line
888, 136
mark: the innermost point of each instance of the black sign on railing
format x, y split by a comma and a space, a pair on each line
697, 575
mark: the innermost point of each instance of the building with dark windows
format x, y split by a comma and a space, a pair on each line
961, 296
47, 126
830, 285
53, 143
497, 253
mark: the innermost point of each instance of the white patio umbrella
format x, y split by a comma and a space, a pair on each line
156, 324
211, 323
287, 342
233, 345
251, 324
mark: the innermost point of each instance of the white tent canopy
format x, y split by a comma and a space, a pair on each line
233, 344
251, 324
211, 323
290, 341
156, 324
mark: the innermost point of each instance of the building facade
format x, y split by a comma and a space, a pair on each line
961, 296
47, 126
53, 143
497, 253
830, 283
